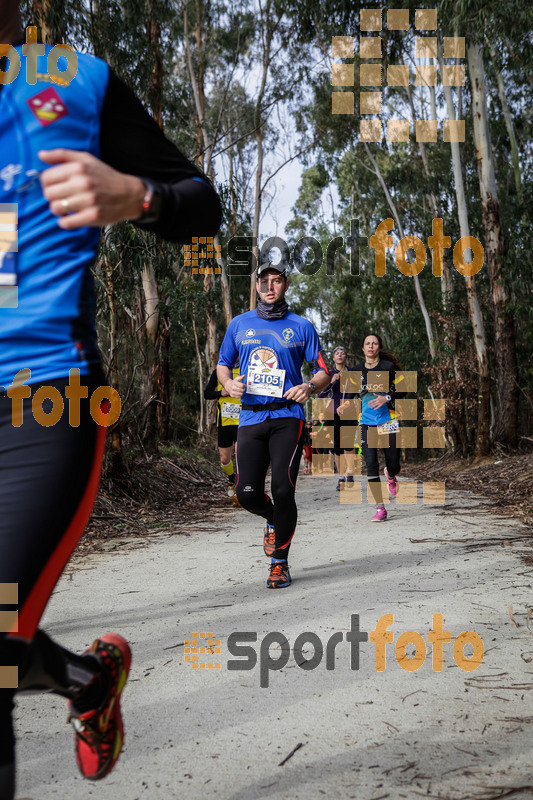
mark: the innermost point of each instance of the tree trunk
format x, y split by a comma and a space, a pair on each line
418, 288
224, 285
510, 129
504, 333
41, 16
113, 376
476, 317
266, 20
152, 378
153, 36
205, 148
446, 279
200, 380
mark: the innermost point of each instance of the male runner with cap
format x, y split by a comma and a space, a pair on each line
70, 157
271, 344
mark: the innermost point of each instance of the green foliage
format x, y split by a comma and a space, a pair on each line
144, 43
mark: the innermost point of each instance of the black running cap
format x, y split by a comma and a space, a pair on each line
276, 267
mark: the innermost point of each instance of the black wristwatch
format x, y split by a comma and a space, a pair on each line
152, 201
312, 387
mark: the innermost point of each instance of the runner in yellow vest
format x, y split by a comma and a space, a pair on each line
228, 410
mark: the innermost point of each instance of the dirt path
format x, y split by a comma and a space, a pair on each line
357, 733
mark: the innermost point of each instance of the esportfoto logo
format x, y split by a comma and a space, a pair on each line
410, 649
31, 51
372, 75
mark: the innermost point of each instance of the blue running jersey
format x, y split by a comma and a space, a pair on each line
50, 329
373, 416
264, 349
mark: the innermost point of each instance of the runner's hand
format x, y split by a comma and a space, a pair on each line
236, 387
380, 401
299, 393
82, 190
342, 408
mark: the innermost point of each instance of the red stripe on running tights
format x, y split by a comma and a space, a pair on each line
294, 453
35, 604
283, 546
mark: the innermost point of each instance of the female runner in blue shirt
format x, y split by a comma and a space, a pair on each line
377, 408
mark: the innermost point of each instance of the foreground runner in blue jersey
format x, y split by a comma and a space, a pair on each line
271, 344
72, 158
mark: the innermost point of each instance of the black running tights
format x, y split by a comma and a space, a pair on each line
48, 481
277, 442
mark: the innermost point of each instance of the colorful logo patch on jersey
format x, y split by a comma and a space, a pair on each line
288, 333
47, 106
264, 358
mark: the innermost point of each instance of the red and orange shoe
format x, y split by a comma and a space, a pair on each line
99, 733
280, 577
269, 540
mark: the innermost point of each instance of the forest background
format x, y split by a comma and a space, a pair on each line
245, 89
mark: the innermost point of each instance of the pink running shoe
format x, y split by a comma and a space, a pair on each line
380, 515
392, 483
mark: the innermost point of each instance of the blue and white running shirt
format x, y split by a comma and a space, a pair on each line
271, 354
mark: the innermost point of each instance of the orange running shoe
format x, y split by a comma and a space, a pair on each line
99, 733
280, 577
269, 540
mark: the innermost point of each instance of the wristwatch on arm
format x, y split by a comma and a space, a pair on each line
152, 200
312, 388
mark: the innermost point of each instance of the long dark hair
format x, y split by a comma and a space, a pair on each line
382, 353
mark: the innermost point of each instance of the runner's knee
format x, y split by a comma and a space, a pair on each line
282, 493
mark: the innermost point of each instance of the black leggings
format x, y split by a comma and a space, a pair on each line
338, 424
278, 442
48, 482
392, 455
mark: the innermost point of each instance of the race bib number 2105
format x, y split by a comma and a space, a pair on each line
269, 383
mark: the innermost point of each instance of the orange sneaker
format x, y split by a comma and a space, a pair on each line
280, 577
269, 540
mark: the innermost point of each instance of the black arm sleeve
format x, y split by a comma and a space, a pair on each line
132, 142
210, 392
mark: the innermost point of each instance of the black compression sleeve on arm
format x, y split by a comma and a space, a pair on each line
132, 142
210, 392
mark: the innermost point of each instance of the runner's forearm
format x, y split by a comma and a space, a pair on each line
224, 374
321, 380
